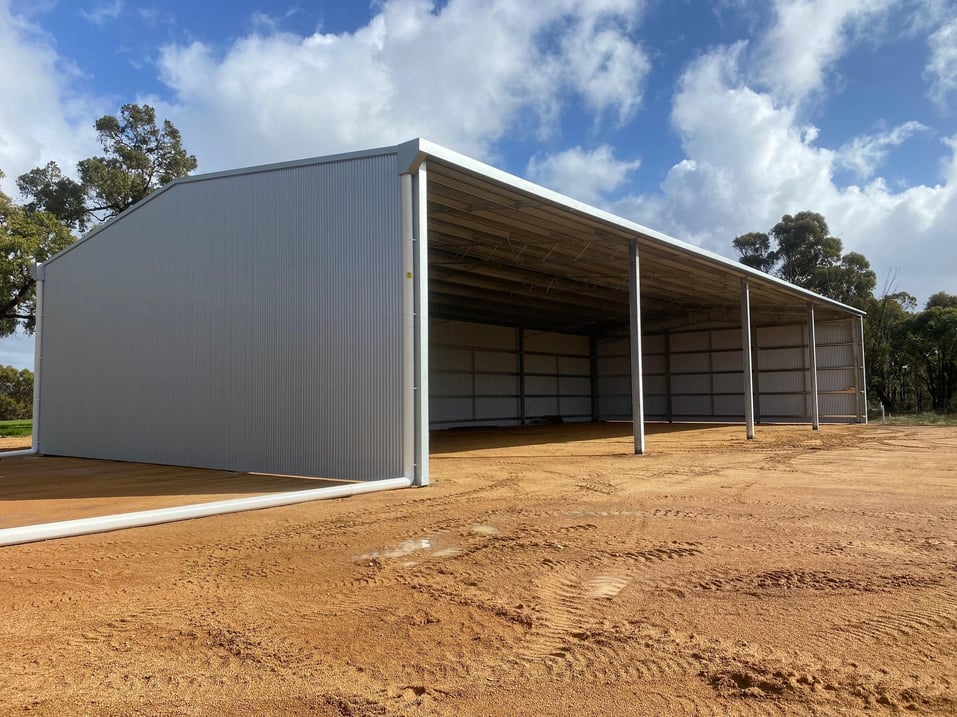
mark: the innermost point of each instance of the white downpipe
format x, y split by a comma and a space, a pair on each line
408, 329
37, 357
106, 523
21, 452
421, 326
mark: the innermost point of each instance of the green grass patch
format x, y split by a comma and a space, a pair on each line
919, 419
16, 428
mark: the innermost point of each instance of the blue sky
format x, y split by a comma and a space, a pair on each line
703, 119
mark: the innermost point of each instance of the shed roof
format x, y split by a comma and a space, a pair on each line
506, 250
562, 264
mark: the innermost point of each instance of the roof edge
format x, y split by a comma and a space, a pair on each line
425, 149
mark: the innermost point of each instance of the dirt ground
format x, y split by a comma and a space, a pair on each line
546, 572
14, 443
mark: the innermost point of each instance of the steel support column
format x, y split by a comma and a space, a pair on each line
812, 366
634, 311
862, 391
746, 358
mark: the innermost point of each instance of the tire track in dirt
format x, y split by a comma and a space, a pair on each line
784, 581
570, 637
931, 620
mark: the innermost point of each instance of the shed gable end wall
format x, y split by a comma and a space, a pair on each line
248, 322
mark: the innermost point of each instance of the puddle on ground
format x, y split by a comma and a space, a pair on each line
406, 547
605, 586
485, 529
432, 547
446, 552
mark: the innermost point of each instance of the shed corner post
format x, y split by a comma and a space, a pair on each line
746, 350
862, 392
634, 311
812, 367
421, 308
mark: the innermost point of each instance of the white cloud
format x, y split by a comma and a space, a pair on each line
103, 12
942, 65
863, 154
750, 159
464, 74
606, 67
807, 36
584, 175
41, 118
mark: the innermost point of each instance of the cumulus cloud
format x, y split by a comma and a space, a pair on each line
41, 118
807, 36
463, 74
750, 159
942, 65
862, 155
588, 176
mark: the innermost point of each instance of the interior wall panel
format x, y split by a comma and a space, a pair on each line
703, 370
476, 378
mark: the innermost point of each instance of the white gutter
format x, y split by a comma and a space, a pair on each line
105, 523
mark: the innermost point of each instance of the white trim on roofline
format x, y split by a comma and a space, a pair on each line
417, 150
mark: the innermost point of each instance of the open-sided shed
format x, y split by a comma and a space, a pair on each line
318, 317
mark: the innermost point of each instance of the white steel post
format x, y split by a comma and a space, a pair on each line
408, 330
746, 358
634, 310
862, 391
812, 363
421, 306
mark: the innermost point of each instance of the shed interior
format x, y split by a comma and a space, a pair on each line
529, 320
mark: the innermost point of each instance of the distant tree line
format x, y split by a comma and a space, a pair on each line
16, 393
911, 353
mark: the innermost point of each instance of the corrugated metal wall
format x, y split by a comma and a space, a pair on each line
697, 375
479, 374
249, 322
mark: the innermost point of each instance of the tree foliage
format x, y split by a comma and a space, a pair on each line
50, 191
16, 393
138, 157
800, 250
26, 237
911, 355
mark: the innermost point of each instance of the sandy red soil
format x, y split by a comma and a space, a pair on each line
14, 443
546, 572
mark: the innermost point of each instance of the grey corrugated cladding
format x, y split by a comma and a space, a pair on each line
250, 322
